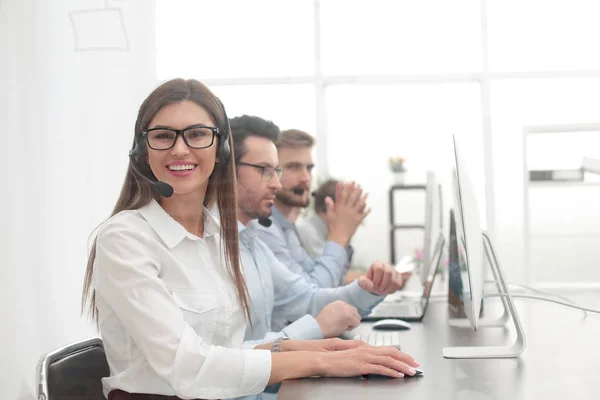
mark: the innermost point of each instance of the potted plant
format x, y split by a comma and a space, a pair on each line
397, 167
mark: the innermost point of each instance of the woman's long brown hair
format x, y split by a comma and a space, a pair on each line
137, 192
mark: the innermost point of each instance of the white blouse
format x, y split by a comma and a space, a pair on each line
169, 314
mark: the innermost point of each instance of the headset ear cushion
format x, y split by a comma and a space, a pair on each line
224, 138
134, 153
225, 151
138, 155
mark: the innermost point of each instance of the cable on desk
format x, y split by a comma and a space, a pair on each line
527, 296
541, 292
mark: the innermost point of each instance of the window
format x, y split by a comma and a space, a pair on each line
288, 106
369, 124
400, 37
539, 35
388, 77
204, 39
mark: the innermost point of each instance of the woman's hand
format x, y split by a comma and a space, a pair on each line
334, 344
366, 359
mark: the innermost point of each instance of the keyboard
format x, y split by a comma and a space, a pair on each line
392, 310
380, 338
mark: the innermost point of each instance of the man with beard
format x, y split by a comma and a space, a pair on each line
279, 298
344, 216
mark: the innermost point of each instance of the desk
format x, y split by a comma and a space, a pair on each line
561, 360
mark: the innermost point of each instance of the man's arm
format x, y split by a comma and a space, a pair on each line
305, 328
325, 271
296, 297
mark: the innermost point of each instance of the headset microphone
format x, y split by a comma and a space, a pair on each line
264, 221
298, 191
164, 189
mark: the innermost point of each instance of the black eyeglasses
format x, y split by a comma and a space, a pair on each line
267, 172
196, 137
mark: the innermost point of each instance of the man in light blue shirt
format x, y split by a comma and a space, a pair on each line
343, 217
280, 300
284, 304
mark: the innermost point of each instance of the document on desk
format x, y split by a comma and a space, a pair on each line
407, 264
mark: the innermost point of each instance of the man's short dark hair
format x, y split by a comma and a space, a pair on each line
249, 125
326, 189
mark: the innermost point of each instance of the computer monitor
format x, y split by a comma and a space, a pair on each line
476, 251
456, 273
469, 237
433, 223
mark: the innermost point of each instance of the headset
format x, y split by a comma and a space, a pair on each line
315, 195
137, 153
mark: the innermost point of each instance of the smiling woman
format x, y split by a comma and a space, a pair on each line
127, 293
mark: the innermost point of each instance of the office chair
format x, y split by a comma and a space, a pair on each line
73, 372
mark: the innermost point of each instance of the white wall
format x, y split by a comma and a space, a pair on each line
67, 125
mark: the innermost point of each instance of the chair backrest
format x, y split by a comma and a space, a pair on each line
73, 372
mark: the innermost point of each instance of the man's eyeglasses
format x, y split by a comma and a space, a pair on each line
267, 172
196, 137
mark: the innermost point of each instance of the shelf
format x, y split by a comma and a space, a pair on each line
570, 235
407, 226
549, 184
395, 227
407, 187
557, 238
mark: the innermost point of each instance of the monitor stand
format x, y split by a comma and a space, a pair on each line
486, 322
510, 351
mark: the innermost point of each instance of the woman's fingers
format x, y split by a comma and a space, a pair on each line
396, 354
381, 370
392, 363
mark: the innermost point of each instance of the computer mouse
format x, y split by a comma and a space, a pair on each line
418, 373
347, 335
391, 324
